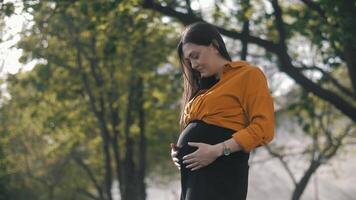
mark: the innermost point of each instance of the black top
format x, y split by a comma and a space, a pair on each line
208, 82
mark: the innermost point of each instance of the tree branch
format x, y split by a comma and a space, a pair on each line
87, 194
349, 55
331, 150
285, 63
332, 79
314, 6
90, 174
280, 25
284, 163
189, 8
187, 19
245, 30
348, 52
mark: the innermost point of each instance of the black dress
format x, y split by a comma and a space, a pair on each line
224, 179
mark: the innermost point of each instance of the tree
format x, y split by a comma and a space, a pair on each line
274, 26
326, 130
103, 58
40, 132
327, 25
6, 9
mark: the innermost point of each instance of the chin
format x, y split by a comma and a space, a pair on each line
207, 75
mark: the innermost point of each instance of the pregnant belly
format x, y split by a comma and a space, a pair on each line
199, 131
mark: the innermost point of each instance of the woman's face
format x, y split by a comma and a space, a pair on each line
201, 58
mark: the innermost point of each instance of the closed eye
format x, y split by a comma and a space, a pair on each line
194, 56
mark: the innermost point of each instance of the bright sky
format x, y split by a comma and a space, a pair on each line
9, 54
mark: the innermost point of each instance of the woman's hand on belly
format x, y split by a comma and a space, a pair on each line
174, 153
203, 156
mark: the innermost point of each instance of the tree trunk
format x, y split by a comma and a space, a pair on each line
98, 111
99, 114
245, 30
302, 184
244, 41
142, 143
350, 58
128, 184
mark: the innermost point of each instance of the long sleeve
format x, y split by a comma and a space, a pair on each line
258, 105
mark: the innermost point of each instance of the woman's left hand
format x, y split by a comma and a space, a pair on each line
203, 156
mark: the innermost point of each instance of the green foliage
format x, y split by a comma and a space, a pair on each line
4, 177
6, 9
42, 132
329, 32
48, 123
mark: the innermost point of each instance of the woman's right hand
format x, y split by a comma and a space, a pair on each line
174, 153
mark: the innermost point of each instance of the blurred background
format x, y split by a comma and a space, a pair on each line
90, 95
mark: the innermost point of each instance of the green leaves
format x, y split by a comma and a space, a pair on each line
7, 8
92, 50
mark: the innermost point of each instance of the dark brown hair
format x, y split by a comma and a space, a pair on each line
200, 33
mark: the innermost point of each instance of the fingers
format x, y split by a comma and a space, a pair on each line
193, 165
189, 161
174, 146
174, 153
194, 144
176, 160
189, 156
177, 164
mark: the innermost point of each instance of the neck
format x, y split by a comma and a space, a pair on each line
220, 63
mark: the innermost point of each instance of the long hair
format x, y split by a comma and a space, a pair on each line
199, 33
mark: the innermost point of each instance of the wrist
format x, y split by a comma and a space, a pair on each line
218, 149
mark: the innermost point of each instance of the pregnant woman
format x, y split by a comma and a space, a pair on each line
227, 111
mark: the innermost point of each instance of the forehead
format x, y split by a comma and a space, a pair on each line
190, 47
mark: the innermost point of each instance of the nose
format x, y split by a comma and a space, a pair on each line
195, 65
